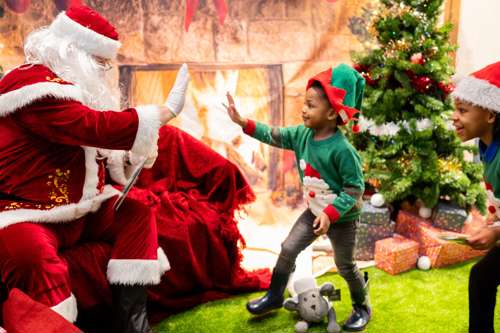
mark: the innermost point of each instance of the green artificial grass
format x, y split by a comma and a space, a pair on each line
412, 302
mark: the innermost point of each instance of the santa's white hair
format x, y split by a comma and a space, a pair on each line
72, 64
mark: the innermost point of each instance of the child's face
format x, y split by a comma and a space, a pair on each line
472, 121
317, 111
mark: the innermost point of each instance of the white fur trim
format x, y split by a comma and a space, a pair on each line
138, 271
91, 173
147, 132
478, 92
16, 99
2, 330
116, 165
163, 260
63, 213
67, 309
87, 39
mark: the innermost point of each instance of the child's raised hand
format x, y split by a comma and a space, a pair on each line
321, 224
233, 113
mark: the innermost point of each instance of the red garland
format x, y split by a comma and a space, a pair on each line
192, 7
21, 6
18, 6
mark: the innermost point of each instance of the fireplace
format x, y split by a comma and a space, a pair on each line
258, 93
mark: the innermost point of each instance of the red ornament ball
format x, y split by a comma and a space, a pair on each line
356, 129
417, 59
369, 80
422, 83
492, 209
447, 88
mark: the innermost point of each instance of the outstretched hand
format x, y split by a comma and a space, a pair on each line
233, 112
483, 238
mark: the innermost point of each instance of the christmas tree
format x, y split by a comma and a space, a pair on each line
409, 148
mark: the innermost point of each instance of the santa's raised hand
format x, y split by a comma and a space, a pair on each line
177, 95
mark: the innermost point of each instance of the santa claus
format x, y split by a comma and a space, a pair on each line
58, 133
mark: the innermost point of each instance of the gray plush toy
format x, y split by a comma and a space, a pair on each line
313, 304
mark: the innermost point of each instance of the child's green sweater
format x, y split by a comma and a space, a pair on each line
330, 169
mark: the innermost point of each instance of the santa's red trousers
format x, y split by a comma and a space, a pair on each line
30, 261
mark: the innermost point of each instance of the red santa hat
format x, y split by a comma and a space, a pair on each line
481, 88
309, 171
88, 30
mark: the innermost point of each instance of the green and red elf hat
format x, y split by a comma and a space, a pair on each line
344, 87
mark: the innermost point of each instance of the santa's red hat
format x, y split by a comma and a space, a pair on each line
88, 30
481, 88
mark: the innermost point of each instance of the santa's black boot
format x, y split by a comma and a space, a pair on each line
129, 309
273, 299
361, 313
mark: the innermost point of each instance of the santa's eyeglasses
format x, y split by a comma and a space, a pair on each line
106, 64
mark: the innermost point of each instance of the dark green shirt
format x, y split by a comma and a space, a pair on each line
330, 169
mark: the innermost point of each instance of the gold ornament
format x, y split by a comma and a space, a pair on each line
432, 51
452, 165
374, 182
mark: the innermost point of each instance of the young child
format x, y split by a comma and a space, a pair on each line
477, 115
332, 178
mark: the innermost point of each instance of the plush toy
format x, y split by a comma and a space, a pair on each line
313, 304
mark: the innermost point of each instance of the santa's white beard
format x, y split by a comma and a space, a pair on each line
95, 84
74, 65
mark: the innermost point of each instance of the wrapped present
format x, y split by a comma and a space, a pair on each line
440, 252
375, 215
408, 225
396, 254
449, 217
367, 235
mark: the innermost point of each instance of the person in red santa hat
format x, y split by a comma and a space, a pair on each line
58, 133
477, 115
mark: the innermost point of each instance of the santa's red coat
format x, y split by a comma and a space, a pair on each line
193, 190
47, 147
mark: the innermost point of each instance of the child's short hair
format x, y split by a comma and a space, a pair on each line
321, 92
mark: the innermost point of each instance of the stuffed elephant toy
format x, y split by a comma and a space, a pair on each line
313, 304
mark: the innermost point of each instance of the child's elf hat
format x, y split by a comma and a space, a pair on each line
344, 87
481, 88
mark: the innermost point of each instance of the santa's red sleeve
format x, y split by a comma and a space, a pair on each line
72, 123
